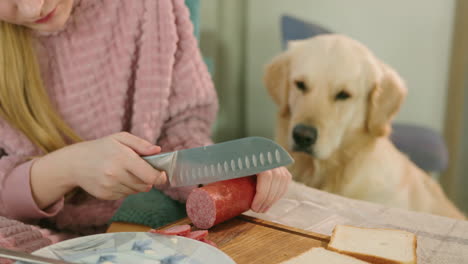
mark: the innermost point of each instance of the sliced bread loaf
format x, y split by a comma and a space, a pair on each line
378, 246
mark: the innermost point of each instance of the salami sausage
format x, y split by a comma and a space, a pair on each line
220, 201
209, 242
179, 230
197, 235
185, 231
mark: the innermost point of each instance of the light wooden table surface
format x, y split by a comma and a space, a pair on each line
250, 240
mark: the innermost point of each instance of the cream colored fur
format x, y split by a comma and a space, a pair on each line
353, 155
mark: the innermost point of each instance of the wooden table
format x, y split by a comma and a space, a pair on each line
249, 240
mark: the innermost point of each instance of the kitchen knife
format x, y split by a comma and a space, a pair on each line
222, 161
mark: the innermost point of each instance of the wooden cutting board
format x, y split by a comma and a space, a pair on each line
249, 240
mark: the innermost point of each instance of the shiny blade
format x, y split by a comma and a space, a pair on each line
227, 160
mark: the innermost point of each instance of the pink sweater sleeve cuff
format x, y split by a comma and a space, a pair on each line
18, 198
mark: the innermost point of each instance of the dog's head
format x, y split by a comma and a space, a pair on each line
330, 88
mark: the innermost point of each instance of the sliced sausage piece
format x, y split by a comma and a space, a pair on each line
179, 230
209, 242
220, 201
198, 235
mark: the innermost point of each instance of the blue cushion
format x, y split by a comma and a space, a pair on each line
295, 29
424, 147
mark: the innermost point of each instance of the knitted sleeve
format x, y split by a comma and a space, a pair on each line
16, 200
27, 238
83, 214
193, 101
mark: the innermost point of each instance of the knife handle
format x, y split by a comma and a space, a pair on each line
162, 162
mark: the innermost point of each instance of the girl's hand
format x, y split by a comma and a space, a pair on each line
109, 168
271, 186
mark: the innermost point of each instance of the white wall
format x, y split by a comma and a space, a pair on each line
412, 36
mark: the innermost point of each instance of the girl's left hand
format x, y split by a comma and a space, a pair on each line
271, 186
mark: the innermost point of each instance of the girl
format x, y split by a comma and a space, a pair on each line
74, 75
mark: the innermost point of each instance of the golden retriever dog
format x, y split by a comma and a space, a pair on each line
336, 102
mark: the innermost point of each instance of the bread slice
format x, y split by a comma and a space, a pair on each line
379, 246
322, 256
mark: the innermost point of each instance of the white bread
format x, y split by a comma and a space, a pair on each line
323, 256
379, 246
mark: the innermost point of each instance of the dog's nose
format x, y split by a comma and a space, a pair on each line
304, 136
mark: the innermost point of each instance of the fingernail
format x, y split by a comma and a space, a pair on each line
152, 147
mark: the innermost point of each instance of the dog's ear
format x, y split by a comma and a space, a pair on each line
385, 100
276, 80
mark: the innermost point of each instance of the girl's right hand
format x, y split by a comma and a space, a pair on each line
109, 168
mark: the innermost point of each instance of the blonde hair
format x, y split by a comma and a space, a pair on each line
24, 102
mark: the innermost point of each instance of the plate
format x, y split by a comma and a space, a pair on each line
135, 247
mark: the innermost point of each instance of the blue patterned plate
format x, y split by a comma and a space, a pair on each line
135, 247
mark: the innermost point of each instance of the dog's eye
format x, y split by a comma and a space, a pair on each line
301, 85
343, 95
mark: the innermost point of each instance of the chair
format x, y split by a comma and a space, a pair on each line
423, 146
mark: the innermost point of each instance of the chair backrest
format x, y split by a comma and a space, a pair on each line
194, 8
293, 28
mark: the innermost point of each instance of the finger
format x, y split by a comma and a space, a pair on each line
125, 190
263, 186
30, 8
116, 193
144, 171
288, 179
136, 184
275, 188
139, 145
163, 182
285, 179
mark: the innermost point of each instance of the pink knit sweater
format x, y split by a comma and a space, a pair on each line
117, 66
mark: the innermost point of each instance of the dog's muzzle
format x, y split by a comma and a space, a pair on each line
304, 137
